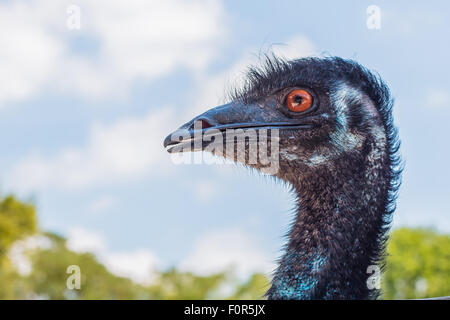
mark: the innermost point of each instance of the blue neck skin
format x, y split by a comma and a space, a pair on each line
298, 276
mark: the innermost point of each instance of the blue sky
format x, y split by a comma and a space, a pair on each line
83, 113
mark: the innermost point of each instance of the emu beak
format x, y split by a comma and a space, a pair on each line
235, 115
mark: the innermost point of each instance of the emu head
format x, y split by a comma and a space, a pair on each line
310, 114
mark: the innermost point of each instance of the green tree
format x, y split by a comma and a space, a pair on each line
17, 221
172, 284
418, 265
253, 289
48, 278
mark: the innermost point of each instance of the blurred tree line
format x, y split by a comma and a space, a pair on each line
418, 266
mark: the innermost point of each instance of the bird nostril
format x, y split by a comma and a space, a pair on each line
205, 124
201, 124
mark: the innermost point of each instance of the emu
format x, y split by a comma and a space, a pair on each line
338, 151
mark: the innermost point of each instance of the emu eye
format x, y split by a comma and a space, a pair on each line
299, 100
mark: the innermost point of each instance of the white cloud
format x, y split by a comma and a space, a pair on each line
27, 55
128, 148
138, 265
218, 250
18, 252
437, 98
131, 147
81, 240
149, 38
142, 40
297, 47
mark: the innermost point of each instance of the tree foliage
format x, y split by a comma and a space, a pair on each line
17, 220
418, 266
48, 278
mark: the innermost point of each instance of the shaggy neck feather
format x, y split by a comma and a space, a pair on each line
338, 230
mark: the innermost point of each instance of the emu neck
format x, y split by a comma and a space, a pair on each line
338, 231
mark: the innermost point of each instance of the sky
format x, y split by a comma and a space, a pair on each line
89, 90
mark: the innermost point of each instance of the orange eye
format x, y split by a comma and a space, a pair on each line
299, 100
